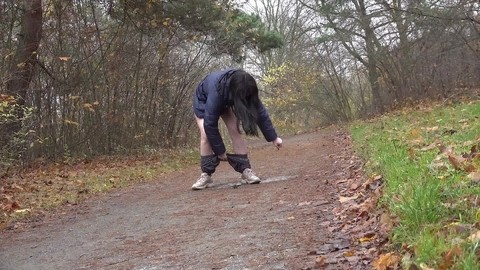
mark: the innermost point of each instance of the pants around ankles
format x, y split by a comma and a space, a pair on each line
239, 160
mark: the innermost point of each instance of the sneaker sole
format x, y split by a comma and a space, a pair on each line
202, 187
251, 182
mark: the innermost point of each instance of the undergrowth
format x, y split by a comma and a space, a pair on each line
430, 164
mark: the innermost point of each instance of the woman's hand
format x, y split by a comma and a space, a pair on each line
278, 142
223, 157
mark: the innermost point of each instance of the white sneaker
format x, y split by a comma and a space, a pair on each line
249, 176
202, 182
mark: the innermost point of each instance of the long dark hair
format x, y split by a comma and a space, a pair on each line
244, 91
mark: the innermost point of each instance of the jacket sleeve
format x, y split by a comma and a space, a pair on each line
213, 110
265, 124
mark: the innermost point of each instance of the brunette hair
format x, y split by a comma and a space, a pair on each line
244, 91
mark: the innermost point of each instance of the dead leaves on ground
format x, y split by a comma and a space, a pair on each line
25, 194
446, 162
468, 162
33, 191
362, 199
371, 225
386, 261
359, 229
358, 215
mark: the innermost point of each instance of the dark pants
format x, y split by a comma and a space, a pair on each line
238, 162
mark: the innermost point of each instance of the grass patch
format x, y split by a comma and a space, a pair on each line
428, 185
29, 192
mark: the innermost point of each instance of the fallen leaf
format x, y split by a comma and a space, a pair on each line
88, 106
355, 186
449, 258
367, 238
70, 122
460, 228
473, 153
373, 182
456, 161
407, 261
429, 147
10, 207
343, 199
64, 58
474, 176
411, 153
375, 185
470, 168
386, 261
22, 210
443, 149
475, 237
425, 267
320, 262
386, 223
366, 207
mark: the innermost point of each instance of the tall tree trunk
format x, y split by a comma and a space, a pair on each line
373, 75
25, 58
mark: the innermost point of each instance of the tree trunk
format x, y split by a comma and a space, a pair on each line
373, 75
25, 58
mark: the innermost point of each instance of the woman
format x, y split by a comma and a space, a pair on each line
231, 94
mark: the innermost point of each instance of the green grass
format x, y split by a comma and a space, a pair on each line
421, 187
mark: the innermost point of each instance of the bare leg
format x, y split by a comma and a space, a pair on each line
205, 148
239, 161
239, 143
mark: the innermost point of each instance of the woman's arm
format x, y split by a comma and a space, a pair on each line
265, 124
213, 110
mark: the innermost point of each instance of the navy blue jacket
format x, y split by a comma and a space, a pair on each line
211, 100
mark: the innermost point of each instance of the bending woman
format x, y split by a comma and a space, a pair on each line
231, 94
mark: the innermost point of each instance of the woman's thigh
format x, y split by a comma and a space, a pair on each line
239, 143
205, 148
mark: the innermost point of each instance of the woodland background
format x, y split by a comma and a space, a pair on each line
83, 78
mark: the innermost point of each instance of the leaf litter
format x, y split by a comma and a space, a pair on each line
359, 229
27, 193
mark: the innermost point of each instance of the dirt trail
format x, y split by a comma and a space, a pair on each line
281, 223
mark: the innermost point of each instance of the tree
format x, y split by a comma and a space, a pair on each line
401, 44
226, 27
292, 22
117, 76
22, 67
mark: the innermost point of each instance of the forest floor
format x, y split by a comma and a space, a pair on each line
313, 210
